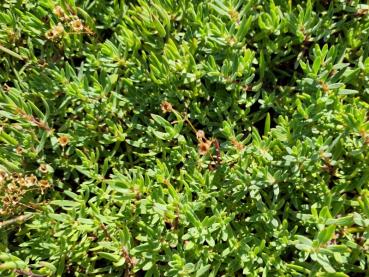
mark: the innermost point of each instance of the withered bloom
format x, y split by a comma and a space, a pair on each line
77, 25
55, 32
166, 107
19, 150
50, 34
63, 140
58, 11
200, 135
30, 180
59, 29
3, 176
44, 185
43, 168
204, 147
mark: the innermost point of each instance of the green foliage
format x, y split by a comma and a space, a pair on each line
184, 138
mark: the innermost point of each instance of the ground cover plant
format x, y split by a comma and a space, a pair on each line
184, 138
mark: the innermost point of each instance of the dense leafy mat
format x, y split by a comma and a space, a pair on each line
184, 138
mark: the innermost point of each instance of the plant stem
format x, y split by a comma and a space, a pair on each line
18, 219
10, 52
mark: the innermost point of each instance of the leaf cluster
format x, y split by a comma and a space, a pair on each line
184, 138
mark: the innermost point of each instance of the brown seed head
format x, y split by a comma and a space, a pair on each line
3, 177
44, 184
19, 150
6, 87
50, 35
361, 12
166, 107
55, 32
16, 175
63, 140
43, 168
59, 29
77, 25
30, 180
58, 11
21, 182
204, 147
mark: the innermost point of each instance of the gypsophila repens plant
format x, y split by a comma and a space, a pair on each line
184, 138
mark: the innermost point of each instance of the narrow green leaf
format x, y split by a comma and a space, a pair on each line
326, 234
10, 52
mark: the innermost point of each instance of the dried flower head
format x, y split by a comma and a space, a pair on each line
59, 29
50, 35
3, 176
55, 32
16, 188
19, 150
200, 135
16, 175
6, 87
362, 11
63, 140
44, 185
204, 147
43, 168
21, 182
31, 180
58, 11
166, 107
76, 25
